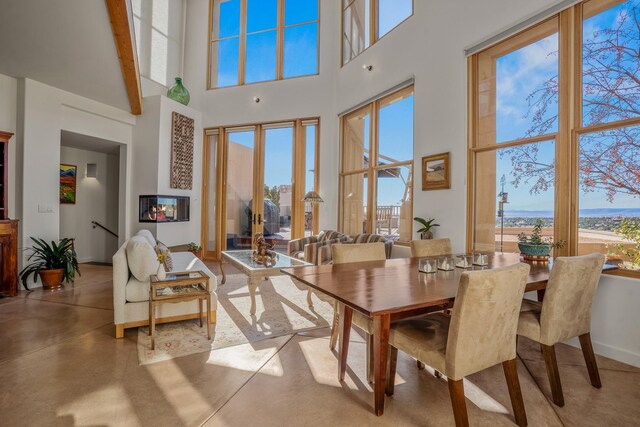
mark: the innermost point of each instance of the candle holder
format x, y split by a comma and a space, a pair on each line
480, 259
446, 263
427, 265
464, 261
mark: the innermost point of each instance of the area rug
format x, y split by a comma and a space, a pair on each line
281, 309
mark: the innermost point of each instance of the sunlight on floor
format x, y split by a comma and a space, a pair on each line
481, 399
246, 358
178, 391
85, 411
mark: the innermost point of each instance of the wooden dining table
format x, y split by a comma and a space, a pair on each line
387, 291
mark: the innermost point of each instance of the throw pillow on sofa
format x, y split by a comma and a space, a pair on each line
147, 235
168, 261
141, 257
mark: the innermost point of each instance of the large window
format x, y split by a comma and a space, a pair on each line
366, 21
556, 134
377, 142
262, 40
158, 30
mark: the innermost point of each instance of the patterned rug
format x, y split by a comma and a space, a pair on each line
281, 310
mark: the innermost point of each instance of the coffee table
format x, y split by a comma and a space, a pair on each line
256, 273
179, 287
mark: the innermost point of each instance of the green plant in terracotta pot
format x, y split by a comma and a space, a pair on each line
195, 249
536, 247
52, 262
426, 231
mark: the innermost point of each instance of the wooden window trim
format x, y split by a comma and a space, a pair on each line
242, 45
373, 109
373, 28
570, 126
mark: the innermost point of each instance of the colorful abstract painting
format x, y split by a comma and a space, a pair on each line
68, 184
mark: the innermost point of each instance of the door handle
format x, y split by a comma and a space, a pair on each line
259, 219
254, 219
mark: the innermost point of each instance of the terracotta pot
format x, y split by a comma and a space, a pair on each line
52, 279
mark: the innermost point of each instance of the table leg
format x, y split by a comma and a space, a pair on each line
224, 277
200, 311
344, 329
309, 300
209, 317
253, 286
150, 313
381, 326
152, 327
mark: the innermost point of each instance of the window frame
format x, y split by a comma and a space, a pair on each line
242, 44
373, 108
567, 137
373, 27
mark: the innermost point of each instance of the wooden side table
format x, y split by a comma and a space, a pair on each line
179, 287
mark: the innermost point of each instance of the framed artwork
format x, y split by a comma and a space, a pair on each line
436, 172
68, 184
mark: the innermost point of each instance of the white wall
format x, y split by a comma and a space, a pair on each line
43, 112
151, 173
96, 200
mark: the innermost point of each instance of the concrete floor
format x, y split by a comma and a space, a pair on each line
60, 365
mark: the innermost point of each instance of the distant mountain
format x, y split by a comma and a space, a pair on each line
68, 172
629, 212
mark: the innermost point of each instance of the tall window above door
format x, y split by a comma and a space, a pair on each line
253, 41
364, 22
377, 168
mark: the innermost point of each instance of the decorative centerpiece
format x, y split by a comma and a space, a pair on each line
464, 261
263, 253
425, 231
535, 247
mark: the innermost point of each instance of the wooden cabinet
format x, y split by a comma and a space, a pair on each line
8, 228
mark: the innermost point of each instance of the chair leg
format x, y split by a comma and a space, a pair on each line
420, 365
513, 383
549, 353
391, 371
456, 392
370, 364
590, 359
334, 329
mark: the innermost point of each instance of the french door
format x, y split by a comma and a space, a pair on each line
255, 178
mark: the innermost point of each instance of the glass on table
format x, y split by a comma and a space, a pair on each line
428, 265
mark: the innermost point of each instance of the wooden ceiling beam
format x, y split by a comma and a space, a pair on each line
125, 44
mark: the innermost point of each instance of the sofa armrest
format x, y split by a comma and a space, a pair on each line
120, 279
297, 245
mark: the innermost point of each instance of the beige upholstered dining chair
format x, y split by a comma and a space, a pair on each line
481, 333
564, 313
427, 248
430, 247
348, 253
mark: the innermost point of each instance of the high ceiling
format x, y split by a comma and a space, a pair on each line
67, 44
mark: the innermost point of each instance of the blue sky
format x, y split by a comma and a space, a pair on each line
518, 74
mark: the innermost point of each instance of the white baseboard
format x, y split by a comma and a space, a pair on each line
85, 259
612, 352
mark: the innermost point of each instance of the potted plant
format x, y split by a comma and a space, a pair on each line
427, 226
52, 263
536, 247
195, 249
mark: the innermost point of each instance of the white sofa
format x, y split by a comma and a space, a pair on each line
134, 262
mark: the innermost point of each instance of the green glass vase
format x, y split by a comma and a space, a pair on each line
179, 93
